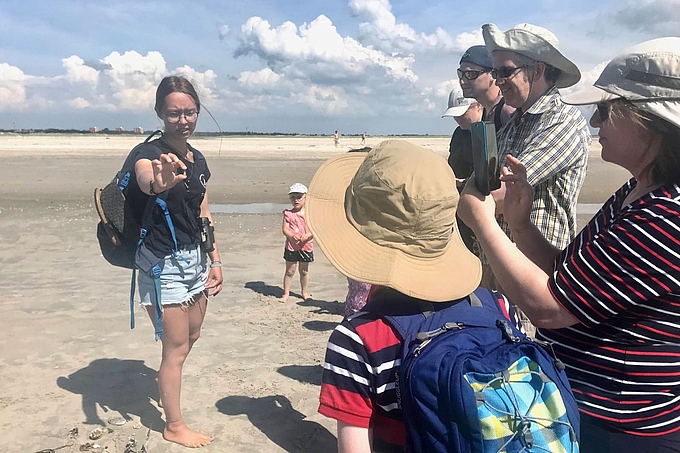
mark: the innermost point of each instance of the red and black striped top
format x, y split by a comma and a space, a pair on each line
620, 278
359, 383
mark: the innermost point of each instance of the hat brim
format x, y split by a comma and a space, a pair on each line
456, 111
588, 95
451, 275
515, 40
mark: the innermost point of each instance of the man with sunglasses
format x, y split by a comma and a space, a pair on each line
551, 138
474, 75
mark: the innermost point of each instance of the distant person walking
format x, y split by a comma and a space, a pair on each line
336, 139
363, 139
299, 241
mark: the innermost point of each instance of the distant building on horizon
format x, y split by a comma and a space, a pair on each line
120, 129
139, 130
94, 129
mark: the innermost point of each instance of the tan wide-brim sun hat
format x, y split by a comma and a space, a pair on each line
388, 217
647, 75
534, 42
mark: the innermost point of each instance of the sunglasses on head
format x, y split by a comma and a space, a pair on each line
505, 71
471, 74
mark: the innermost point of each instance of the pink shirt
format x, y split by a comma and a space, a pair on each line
298, 225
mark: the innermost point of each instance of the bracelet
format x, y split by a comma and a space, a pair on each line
151, 188
216, 264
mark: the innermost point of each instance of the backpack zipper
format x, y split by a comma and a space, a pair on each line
427, 337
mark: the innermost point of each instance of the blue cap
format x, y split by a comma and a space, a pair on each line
477, 55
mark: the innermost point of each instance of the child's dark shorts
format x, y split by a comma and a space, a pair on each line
298, 256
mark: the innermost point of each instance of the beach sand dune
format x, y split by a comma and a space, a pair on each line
68, 359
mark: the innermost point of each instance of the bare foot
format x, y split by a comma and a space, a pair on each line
283, 299
306, 296
180, 433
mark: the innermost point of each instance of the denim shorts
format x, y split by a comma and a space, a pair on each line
182, 278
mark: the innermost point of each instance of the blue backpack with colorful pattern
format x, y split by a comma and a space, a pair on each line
470, 381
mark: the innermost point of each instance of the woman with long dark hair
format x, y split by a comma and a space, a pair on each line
175, 278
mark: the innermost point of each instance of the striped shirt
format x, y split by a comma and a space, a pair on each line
621, 279
358, 383
552, 140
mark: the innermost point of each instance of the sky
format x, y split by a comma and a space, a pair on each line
310, 67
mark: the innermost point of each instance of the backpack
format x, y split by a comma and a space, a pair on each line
121, 236
118, 232
470, 381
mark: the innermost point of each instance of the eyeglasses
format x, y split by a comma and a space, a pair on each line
471, 74
296, 196
189, 115
603, 110
505, 72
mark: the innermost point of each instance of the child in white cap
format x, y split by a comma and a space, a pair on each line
299, 241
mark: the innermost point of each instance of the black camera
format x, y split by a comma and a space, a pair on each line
207, 235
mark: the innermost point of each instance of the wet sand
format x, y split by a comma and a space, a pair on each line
68, 358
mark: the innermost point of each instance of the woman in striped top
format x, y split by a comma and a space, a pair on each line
610, 302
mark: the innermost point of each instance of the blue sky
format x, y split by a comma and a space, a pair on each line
382, 66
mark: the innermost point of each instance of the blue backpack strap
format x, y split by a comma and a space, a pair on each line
158, 308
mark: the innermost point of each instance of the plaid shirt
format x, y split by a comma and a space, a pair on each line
552, 140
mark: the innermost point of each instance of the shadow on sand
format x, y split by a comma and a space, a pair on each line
283, 425
320, 326
269, 290
308, 374
325, 307
123, 386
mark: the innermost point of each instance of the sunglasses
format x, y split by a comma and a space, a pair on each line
505, 72
603, 110
471, 74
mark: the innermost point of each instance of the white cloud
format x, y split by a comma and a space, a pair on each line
203, 82
133, 78
262, 78
329, 100
383, 32
79, 103
222, 30
12, 87
316, 51
588, 78
78, 72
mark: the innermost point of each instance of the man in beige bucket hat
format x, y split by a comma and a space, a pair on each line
387, 218
550, 137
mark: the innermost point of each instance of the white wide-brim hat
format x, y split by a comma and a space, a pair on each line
534, 42
648, 75
388, 218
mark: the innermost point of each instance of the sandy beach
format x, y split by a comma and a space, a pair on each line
70, 364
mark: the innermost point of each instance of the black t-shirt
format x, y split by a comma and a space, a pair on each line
460, 153
183, 200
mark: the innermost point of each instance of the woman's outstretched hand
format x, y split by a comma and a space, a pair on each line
519, 194
168, 171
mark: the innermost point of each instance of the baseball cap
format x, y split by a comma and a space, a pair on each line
477, 55
458, 104
297, 188
648, 75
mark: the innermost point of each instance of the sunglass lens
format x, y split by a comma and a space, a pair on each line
603, 111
